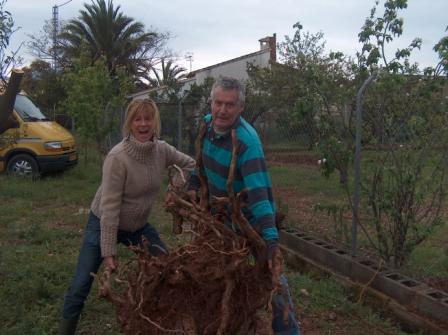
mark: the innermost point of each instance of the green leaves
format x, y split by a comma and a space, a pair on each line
106, 33
95, 100
6, 30
441, 48
379, 31
6, 26
336, 155
45, 87
405, 122
168, 76
405, 184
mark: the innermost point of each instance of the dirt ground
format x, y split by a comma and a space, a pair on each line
284, 157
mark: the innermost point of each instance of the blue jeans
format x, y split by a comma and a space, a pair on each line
280, 301
89, 261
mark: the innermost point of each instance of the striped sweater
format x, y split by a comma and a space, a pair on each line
250, 174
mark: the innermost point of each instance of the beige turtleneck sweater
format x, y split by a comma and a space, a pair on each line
132, 176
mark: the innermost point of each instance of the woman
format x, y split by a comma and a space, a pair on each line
132, 176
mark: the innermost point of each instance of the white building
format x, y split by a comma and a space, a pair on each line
236, 67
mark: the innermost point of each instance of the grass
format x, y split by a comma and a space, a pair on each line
41, 226
327, 306
306, 179
429, 260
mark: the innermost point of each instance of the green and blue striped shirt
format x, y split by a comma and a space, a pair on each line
250, 174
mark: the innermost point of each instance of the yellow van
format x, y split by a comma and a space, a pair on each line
38, 145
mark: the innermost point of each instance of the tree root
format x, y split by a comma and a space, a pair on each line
212, 285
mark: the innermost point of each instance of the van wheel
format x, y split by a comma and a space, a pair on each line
23, 165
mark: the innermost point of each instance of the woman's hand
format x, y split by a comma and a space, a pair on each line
111, 263
168, 197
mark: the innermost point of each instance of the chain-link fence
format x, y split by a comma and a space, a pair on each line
275, 133
311, 159
311, 162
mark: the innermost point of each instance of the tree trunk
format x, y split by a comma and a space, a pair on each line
343, 177
7, 101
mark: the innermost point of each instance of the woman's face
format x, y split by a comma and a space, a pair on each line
142, 126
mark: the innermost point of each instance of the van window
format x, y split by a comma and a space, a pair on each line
28, 110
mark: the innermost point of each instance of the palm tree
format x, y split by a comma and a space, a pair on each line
170, 74
102, 31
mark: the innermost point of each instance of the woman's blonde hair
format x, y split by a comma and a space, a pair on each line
147, 106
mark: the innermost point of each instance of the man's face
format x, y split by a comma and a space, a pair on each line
225, 108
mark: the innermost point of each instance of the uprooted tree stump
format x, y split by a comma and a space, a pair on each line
219, 283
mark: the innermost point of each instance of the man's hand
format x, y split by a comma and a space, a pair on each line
275, 263
111, 263
192, 195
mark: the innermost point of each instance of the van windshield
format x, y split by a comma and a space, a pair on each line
28, 110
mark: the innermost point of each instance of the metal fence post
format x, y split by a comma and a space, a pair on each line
179, 125
357, 178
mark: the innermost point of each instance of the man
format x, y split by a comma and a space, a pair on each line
227, 106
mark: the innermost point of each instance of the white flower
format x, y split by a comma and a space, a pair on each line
324, 160
319, 162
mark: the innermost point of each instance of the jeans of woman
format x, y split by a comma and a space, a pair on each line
89, 261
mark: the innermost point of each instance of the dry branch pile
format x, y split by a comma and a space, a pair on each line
216, 284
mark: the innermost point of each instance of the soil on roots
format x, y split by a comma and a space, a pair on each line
211, 286
219, 283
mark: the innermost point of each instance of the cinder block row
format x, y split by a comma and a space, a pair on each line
408, 292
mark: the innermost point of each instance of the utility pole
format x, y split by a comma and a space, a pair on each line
189, 58
55, 22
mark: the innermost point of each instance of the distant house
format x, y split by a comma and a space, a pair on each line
236, 67
174, 111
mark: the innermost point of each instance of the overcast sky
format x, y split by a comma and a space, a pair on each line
216, 31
